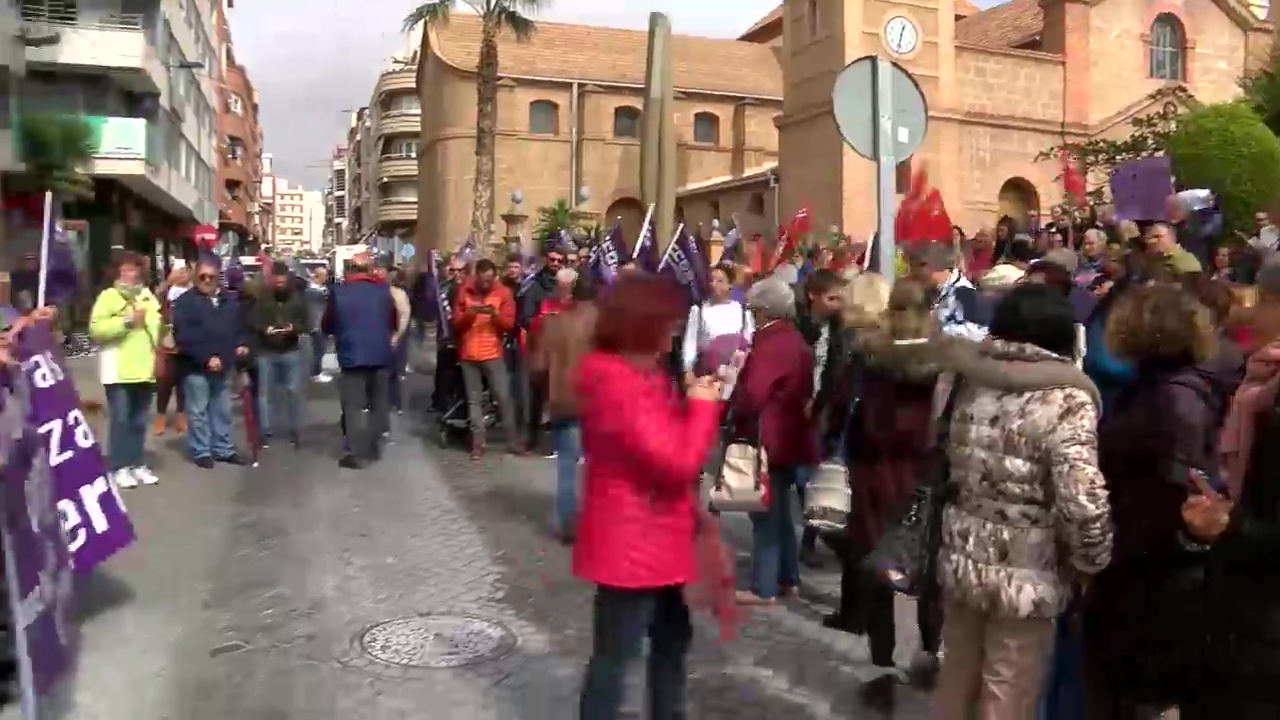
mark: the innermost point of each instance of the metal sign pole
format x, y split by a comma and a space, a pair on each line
886, 167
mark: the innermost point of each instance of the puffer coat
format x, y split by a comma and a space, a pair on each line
1030, 505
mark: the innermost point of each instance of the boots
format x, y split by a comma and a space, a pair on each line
160, 424
180, 423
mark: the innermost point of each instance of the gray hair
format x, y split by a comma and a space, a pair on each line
787, 273
566, 276
774, 298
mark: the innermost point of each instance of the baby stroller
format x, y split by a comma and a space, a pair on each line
453, 427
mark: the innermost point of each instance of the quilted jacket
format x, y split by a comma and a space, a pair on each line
1031, 507
644, 447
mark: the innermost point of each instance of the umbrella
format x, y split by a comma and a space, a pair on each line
250, 421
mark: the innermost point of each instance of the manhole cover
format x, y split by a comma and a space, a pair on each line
437, 641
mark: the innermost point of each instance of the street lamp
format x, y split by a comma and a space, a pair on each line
584, 194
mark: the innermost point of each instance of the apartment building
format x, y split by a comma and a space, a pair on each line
267, 202
359, 158
335, 200
299, 219
239, 178
144, 76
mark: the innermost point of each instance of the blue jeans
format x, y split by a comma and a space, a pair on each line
622, 618
395, 380
280, 371
319, 343
127, 406
209, 414
774, 555
564, 436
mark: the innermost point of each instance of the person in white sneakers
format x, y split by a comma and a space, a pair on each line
125, 321
317, 296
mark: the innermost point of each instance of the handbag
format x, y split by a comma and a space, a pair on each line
828, 496
906, 555
742, 484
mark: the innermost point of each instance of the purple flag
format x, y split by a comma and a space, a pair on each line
62, 277
683, 262
606, 256
440, 293
94, 519
645, 254
1140, 188
38, 563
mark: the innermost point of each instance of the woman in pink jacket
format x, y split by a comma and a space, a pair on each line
644, 446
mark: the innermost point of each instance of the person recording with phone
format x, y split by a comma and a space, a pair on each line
484, 312
278, 319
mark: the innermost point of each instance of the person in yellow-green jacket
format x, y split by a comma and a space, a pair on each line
125, 321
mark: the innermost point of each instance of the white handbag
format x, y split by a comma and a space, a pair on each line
742, 485
828, 496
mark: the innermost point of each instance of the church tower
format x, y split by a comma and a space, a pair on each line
820, 38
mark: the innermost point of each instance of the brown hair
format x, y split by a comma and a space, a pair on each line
1160, 322
1215, 295
908, 315
636, 313
125, 257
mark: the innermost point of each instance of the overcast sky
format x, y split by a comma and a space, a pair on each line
314, 60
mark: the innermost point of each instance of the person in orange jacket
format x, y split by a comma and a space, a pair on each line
484, 312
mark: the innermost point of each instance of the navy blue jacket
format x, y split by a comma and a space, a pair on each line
352, 318
205, 327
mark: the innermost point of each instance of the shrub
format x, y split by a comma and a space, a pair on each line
1228, 149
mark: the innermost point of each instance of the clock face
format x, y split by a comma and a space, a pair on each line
901, 35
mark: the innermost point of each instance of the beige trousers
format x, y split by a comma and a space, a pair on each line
992, 668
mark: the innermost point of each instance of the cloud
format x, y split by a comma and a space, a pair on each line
313, 61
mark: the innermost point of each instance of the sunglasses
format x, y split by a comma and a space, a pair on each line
554, 259
206, 277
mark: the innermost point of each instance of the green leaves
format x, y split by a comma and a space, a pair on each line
559, 215
55, 149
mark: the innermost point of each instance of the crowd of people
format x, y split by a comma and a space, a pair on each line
1094, 407
205, 335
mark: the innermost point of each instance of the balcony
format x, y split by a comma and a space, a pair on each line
397, 208
398, 166
92, 40
402, 79
400, 122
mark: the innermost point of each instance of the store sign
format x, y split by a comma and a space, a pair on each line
118, 138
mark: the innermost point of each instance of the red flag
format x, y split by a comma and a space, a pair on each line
922, 217
1073, 185
789, 237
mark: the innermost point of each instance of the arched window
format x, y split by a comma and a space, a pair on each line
706, 128
544, 118
1166, 50
626, 122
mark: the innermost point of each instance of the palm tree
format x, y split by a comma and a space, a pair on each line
55, 149
495, 17
559, 215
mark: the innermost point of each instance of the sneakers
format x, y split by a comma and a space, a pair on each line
350, 462
124, 478
321, 378
144, 475
204, 462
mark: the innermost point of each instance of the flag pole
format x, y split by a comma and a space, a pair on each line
667, 253
44, 248
644, 232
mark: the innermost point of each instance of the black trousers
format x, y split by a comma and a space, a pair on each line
361, 388
447, 380
866, 601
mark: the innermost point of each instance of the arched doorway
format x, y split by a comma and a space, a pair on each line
1019, 200
631, 212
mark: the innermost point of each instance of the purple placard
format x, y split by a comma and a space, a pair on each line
37, 562
94, 519
1141, 188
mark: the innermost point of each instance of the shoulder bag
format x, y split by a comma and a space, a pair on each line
742, 484
828, 496
906, 556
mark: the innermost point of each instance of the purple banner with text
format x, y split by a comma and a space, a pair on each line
38, 569
94, 519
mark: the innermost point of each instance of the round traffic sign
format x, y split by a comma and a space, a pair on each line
853, 102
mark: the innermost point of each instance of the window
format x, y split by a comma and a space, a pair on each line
626, 122
235, 104
706, 128
402, 148
755, 205
403, 102
1168, 40
811, 15
544, 118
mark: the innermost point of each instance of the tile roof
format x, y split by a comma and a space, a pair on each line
966, 8
1006, 25
602, 54
773, 17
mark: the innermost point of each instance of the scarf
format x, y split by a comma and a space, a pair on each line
129, 292
1257, 392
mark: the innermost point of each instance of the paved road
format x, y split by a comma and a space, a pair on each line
250, 589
